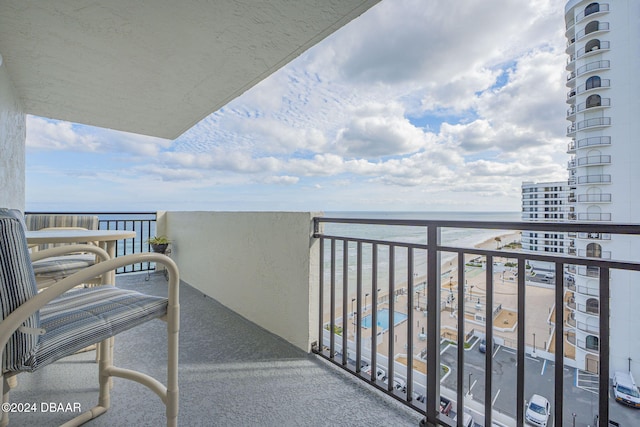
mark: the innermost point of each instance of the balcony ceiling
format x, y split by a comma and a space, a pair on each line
154, 67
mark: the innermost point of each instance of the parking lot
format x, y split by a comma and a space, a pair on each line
538, 380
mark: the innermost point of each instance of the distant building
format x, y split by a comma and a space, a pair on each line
546, 201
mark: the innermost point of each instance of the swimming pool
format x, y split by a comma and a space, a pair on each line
383, 319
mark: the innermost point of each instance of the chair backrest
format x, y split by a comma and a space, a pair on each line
36, 222
17, 285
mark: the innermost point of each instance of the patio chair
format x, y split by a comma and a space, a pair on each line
51, 269
39, 328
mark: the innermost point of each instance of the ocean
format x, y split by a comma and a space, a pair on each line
407, 234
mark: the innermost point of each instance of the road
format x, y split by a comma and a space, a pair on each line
539, 379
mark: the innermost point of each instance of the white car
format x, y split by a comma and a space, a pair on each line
538, 410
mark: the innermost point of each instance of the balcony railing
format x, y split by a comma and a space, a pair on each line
593, 141
357, 272
143, 223
595, 179
597, 8
604, 45
592, 66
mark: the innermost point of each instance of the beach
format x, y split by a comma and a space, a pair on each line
540, 300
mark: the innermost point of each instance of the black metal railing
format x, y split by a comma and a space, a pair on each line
143, 223
358, 271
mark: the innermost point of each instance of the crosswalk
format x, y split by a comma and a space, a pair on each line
587, 381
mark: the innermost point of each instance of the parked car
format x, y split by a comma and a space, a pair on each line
445, 405
482, 348
538, 410
625, 389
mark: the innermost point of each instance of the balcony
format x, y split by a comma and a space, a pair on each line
602, 84
595, 9
597, 28
262, 289
594, 179
593, 141
594, 198
592, 50
593, 66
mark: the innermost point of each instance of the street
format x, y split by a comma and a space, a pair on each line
538, 380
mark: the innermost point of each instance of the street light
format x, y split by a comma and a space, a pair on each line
469, 392
534, 343
417, 300
365, 302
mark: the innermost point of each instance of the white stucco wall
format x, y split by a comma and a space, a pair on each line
12, 146
262, 265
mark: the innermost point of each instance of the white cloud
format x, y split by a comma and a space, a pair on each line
429, 103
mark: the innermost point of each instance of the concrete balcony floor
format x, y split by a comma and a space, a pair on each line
232, 373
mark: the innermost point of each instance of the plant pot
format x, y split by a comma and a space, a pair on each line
159, 248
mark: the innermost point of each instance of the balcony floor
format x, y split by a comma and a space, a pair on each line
232, 373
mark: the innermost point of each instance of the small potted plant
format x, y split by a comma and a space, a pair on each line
159, 243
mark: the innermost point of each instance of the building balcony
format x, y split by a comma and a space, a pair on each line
593, 160
603, 84
602, 46
594, 179
594, 254
280, 312
593, 142
592, 105
593, 66
597, 28
594, 198
592, 11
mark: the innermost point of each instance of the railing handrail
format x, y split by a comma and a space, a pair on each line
434, 281
139, 221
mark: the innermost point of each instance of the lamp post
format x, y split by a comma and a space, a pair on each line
417, 300
365, 302
534, 345
353, 300
470, 292
469, 391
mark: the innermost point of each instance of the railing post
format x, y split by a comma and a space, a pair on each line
603, 350
433, 323
559, 356
521, 347
488, 341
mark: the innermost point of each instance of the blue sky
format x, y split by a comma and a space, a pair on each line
448, 107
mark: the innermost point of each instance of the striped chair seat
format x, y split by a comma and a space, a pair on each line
57, 268
83, 317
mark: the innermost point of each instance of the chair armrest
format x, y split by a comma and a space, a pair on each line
22, 313
68, 249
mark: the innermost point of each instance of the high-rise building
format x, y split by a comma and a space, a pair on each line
603, 45
547, 201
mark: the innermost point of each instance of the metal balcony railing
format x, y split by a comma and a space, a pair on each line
346, 255
143, 223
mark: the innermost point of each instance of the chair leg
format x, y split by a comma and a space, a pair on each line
104, 398
4, 388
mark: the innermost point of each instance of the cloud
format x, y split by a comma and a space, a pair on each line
412, 104
379, 130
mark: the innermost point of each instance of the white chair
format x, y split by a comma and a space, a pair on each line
51, 269
39, 328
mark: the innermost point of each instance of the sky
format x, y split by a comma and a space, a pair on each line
414, 106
